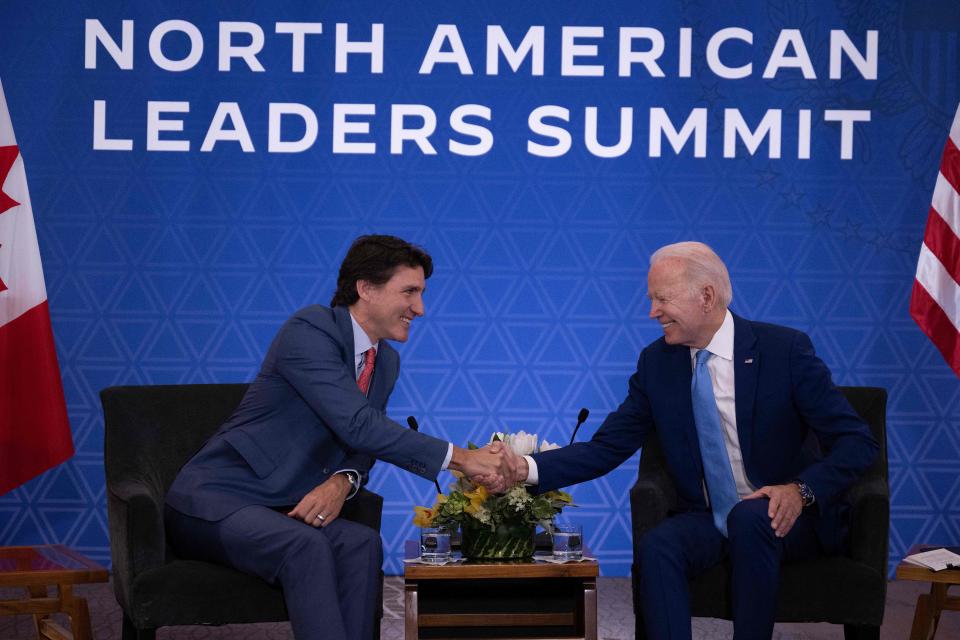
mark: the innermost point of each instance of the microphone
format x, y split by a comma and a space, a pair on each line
412, 423
581, 418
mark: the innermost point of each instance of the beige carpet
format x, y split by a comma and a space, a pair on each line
616, 618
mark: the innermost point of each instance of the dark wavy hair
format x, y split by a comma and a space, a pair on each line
375, 259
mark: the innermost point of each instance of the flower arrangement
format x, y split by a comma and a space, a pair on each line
493, 525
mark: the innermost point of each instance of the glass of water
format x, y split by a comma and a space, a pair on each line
567, 542
434, 545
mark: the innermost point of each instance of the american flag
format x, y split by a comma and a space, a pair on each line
935, 301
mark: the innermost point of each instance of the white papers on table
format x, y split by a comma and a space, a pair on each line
935, 559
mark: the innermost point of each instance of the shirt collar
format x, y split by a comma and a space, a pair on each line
361, 341
722, 343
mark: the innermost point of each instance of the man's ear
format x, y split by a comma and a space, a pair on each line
708, 298
365, 289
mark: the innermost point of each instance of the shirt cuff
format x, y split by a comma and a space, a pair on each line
446, 461
533, 476
353, 477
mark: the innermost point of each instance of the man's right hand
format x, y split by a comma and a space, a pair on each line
511, 469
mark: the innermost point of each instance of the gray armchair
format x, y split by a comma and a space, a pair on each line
151, 431
848, 590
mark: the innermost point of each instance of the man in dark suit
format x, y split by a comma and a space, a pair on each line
264, 493
732, 402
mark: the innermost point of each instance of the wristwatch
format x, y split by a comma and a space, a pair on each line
806, 493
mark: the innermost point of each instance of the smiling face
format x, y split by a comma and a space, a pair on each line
686, 317
385, 311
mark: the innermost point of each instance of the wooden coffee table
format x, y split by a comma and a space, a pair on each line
929, 605
39, 567
500, 599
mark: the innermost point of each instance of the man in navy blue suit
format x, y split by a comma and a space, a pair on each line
732, 402
264, 493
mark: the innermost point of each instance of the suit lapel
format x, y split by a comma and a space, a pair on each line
678, 376
746, 374
344, 324
386, 362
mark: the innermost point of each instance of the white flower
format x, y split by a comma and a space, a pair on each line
547, 446
483, 515
498, 435
522, 443
518, 498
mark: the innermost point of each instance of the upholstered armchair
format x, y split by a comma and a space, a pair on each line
151, 431
848, 589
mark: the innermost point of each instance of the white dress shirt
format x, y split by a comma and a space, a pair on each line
721, 374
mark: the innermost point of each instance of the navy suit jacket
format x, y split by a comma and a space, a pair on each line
784, 393
302, 419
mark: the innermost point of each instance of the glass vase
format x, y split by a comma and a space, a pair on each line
506, 542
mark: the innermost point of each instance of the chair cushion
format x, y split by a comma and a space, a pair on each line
193, 592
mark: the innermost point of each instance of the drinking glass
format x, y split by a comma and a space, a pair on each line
434, 545
567, 541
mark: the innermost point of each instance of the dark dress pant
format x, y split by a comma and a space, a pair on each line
687, 544
330, 576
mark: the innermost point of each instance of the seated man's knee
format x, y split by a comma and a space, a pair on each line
749, 518
657, 546
359, 539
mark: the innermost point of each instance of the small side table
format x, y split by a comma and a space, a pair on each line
39, 567
929, 605
500, 599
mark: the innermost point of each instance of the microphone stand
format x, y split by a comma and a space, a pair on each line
412, 423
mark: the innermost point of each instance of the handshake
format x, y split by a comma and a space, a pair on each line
494, 466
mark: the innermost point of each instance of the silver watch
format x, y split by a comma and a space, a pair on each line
806, 493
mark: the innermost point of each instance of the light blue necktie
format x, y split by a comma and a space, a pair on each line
716, 465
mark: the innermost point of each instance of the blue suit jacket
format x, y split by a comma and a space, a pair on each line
302, 419
784, 392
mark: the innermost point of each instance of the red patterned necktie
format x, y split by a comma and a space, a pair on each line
364, 380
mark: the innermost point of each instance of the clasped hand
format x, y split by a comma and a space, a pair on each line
496, 467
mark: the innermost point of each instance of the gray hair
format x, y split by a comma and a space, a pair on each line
702, 266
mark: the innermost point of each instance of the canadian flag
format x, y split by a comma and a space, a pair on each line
34, 430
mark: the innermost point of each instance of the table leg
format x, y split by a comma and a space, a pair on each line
411, 615
938, 593
590, 609
923, 616
78, 611
37, 592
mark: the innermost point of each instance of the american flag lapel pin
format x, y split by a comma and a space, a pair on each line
748, 361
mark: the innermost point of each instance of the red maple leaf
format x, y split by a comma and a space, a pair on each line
8, 155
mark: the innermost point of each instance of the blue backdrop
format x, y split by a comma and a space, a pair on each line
180, 222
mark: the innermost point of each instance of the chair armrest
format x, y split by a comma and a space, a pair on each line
870, 523
651, 498
137, 536
366, 508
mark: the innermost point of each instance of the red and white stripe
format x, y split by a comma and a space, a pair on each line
935, 301
34, 431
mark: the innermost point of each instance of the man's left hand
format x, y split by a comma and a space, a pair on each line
325, 500
785, 505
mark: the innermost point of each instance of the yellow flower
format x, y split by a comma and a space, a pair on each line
423, 517
477, 497
560, 496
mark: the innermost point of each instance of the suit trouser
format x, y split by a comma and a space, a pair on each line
330, 576
687, 544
